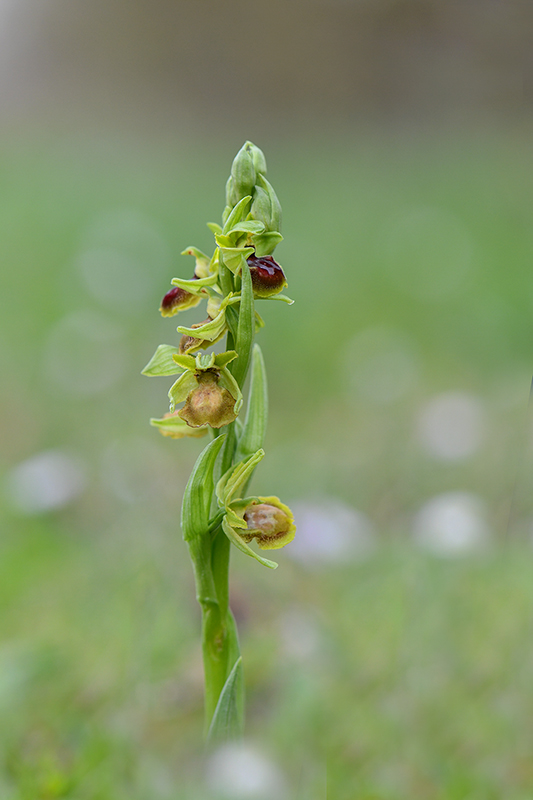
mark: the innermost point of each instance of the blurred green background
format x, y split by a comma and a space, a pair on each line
390, 655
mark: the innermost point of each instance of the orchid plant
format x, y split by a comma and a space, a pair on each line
217, 510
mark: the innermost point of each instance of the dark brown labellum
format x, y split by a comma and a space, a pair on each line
268, 277
177, 299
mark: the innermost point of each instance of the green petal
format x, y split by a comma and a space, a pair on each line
223, 359
162, 362
185, 361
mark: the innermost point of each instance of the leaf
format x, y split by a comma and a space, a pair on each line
254, 430
199, 492
227, 722
234, 537
162, 362
245, 326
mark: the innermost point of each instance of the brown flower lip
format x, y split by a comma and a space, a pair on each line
268, 277
208, 403
176, 299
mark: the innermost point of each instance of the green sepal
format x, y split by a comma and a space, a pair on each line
195, 286
176, 428
245, 326
199, 492
215, 327
234, 537
233, 256
179, 390
162, 362
266, 243
185, 361
223, 359
238, 213
259, 321
227, 381
214, 227
227, 722
282, 297
236, 478
253, 433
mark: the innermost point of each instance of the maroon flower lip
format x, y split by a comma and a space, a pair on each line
268, 277
177, 299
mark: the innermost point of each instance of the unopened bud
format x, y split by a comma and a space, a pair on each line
243, 172
268, 277
209, 403
177, 299
258, 158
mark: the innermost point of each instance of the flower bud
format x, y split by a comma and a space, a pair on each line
242, 173
268, 277
258, 158
270, 522
208, 403
177, 299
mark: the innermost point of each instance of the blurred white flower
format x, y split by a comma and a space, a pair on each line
85, 353
382, 364
329, 531
452, 425
45, 482
239, 771
453, 523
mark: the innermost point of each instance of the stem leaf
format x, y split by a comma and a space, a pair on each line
254, 430
227, 722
